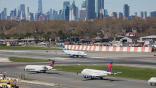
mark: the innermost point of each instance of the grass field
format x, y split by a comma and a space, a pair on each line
127, 72
25, 48
18, 59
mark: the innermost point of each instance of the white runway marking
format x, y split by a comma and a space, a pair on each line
39, 83
4, 59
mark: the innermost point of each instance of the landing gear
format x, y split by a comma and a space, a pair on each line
153, 84
101, 78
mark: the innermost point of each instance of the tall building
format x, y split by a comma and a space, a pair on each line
73, 15
66, 4
40, 6
66, 13
126, 11
50, 14
21, 12
84, 4
153, 14
114, 15
40, 16
32, 17
66, 7
91, 9
136, 14
120, 15
99, 8
145, 13
0, 16
4, 14
28, 16
13, 14
60, 15
83, 11
106, 13
142, 14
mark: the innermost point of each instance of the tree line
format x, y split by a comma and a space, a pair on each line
82, 29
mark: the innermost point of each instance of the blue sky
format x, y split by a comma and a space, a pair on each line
111, 5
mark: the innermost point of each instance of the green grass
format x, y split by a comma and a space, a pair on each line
25, 48
20, 59
127, 72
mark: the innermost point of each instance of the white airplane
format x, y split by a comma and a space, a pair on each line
93, 74
73, 53
40, 68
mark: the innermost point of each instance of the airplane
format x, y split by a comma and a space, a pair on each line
73, 53
95, 74
40, 68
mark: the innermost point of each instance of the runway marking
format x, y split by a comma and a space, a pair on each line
61, 58
4, 59
38, 83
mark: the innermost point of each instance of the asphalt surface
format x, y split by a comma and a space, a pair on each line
73, 80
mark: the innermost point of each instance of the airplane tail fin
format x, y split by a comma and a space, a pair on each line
52, 63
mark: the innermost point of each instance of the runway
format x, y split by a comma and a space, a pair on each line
72, 80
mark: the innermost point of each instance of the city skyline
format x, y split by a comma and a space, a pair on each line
110, 5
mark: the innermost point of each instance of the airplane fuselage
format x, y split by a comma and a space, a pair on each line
37, 68
92, 73
73, 53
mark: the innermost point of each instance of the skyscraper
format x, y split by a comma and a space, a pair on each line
99, 8
84, 4
126, 11
21, 13
66, 7
73, 12
120, 15
28, 14
40, 6
106, 13
153, 14
114, 15
142, 14
91, 9
145, 13
83, 11
13, 14
0, 16
4, 14
66, 4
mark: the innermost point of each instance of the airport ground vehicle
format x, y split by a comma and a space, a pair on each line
6, 82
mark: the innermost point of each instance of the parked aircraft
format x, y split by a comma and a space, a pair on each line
73, 53
40, 68
93, 74
152, 81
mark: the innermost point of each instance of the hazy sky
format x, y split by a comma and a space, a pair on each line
110, 5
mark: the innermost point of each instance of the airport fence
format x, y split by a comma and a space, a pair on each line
108, 48
19, 76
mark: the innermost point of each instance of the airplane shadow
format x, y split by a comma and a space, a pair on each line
106, 79
45, 73
53, 73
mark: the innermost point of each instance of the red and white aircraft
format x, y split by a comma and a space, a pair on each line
40, 68
93, 73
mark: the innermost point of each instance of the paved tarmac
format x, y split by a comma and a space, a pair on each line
72, 80
55, 53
